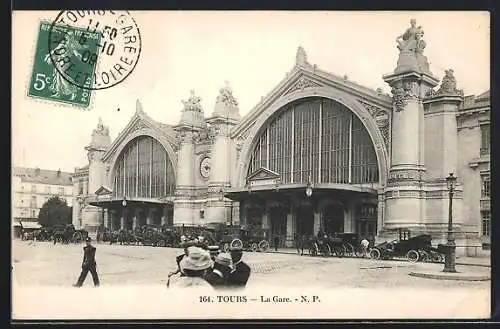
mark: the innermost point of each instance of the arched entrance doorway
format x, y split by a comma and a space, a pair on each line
314, 142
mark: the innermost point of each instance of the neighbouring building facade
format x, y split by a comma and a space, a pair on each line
32, 187
371, 162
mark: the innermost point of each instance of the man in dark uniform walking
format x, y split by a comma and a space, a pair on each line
88, 264
241, 271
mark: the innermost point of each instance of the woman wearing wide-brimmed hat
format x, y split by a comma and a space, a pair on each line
194, 267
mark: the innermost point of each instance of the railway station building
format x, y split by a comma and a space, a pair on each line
318, 152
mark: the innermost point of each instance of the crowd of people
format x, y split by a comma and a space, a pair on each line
202, 265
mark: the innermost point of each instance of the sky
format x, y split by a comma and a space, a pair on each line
252, 50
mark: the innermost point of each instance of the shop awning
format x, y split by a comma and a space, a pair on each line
28, 225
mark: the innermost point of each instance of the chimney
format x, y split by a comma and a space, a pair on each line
59, 173
37, 171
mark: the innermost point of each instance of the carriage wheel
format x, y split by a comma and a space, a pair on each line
340, 251
162, 243
436, 257
412, 256
374, 253
359, 252
424, 256
328, 250
254, 247
349, 248
263, 245
314, 249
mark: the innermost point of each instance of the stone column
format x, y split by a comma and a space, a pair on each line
135, 220
349, 224
290, 229
149, 218
107, 223
122, 219
404, 192
317, 221
265, 219
164, 215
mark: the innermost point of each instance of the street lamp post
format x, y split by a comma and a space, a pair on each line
309, 192
449, 258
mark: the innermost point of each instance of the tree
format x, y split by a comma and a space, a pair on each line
53, 212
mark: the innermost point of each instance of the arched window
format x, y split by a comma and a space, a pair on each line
317, 139
143, 170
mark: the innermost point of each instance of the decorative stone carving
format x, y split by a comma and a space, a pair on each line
411, 47
302, 84
403, 91
193, 103
382, 119
139, 125
226, 96
448, 86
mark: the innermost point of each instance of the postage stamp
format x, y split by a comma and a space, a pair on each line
46, 81
106, 40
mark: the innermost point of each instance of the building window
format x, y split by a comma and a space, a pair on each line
22, 188
80, 187
61, 191
33, 202
143, 169
485, 186
328, 144
47, 189
33, 213
486, 222
33, 188
485, 139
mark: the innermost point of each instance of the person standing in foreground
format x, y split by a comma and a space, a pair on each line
194, 267
219, 275
241, 271
88, 264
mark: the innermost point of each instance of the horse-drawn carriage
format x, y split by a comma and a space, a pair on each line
418, 248
147, 235
253, 239
336, 244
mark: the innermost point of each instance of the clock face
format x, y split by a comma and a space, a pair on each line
205, 167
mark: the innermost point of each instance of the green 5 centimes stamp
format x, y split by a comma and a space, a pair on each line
47, 81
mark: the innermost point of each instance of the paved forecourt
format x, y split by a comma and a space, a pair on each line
43, 263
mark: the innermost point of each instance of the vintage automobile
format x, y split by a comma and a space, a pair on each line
418, 248
253, 239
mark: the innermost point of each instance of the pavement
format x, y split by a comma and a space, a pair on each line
460, 260
130, 273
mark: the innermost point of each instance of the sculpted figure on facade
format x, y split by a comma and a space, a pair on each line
448, 86
398, 97
411, 46
226, 96
193, 103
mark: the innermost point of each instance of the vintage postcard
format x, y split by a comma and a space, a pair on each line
250, 165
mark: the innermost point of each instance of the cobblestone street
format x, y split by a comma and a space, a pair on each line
55, 267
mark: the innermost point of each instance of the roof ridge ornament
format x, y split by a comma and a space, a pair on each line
411, 48
138, 107
301, 57
226, 96
448, 86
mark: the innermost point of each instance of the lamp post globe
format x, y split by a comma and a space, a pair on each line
124, 203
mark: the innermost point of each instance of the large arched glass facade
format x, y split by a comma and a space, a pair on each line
143, 170
316, 139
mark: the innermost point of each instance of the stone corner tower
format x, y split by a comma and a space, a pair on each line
191, 123
225, 116
99, 144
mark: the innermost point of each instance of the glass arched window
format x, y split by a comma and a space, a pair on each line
143, 170
316, 139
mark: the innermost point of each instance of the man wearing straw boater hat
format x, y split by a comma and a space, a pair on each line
219, 275
241, 271
194, 267
214, 251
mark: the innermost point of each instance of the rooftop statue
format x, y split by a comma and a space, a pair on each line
226, 96
411, 46
193, 103
301, 57
101, 129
